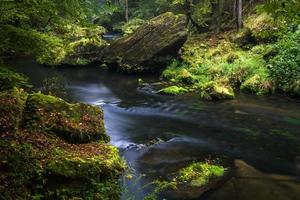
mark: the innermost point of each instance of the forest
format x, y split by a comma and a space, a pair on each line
139, 99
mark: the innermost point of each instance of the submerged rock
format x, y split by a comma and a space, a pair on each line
197, 178
150, 45
76, 123
249, 183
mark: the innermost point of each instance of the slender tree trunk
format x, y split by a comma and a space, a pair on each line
234, 9
239, 5
126, 11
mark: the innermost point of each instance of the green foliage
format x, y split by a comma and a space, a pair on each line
173, 90
160, 186
10, 79
215, 71
199, 174
264, 28
132, 25
285, 66
283, 10
20, 167
48, 30
157, 186
257, 85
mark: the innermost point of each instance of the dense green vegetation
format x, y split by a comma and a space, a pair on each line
45, 140
55, 32
199, 174
213, 48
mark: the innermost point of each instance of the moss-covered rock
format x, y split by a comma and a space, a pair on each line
40, 165
77, 123
257, 85
11, 110
150, 46
10, 79
173, 90
132, 26
199, 174
216, 90
196, 178
104, 162
264, 28
37, 165
78, 47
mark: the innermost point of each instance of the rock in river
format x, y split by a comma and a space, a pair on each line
150, 46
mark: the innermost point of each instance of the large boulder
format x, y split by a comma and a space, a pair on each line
150, 46
76, 123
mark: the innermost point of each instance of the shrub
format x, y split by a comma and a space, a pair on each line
264, 28
285, 66
10, 79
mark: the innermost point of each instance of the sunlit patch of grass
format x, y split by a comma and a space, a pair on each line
200, 173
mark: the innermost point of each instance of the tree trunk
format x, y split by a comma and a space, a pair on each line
239, 5
126, 11
234, 9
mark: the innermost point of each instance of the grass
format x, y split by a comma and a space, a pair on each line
200, 173
173, 90
207, 66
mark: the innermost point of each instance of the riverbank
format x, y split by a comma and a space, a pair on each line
53, 149
159, 135
256, 61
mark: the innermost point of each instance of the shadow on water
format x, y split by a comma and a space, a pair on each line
263, 131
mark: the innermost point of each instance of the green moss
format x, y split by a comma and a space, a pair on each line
77, 123
73, 45
10, 79
257, 85
200, 174
216, 90
173, 90
132, 26
106, 164
264, 28
39, 165
218, 69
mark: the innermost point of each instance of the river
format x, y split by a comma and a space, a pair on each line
262, 131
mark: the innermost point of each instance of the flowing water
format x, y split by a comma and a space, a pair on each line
262, 131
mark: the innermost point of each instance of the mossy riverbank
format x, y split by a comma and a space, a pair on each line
50, 149
257, 60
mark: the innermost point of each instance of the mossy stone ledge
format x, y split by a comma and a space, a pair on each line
76, 123
149, 48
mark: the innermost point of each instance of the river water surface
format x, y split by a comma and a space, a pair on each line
262, 131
